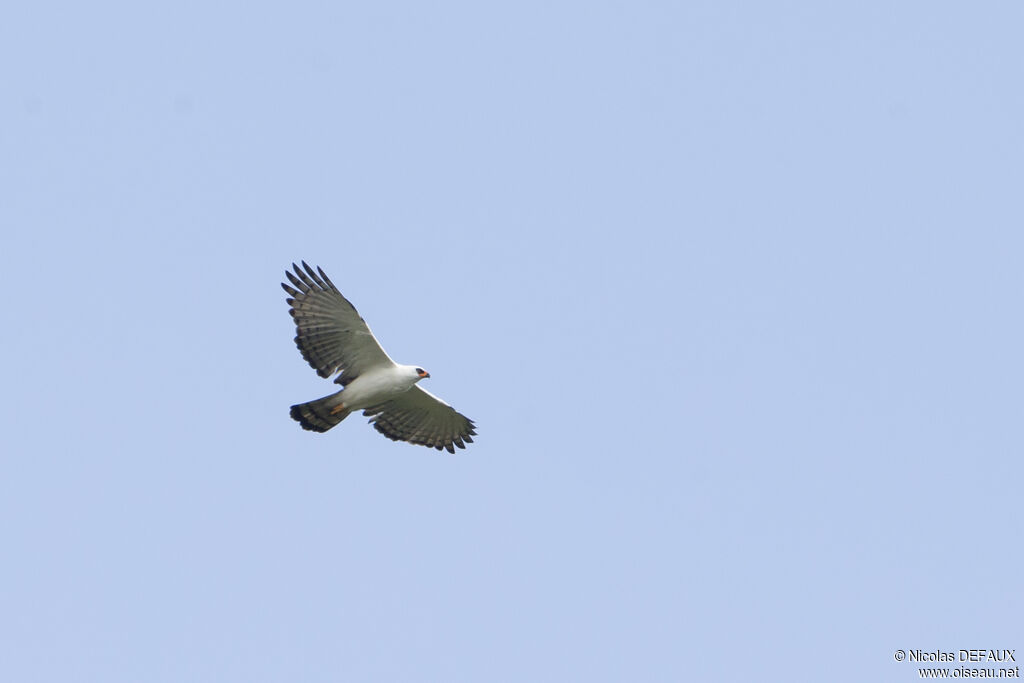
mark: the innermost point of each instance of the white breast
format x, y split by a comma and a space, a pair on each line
376, 387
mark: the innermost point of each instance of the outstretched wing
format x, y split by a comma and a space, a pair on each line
329, 331
419, 417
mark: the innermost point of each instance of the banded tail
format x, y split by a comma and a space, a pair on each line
318, 415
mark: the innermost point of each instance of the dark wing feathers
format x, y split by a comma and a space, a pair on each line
419, 417
330, 334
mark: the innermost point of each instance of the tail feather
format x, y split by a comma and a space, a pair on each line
316, 416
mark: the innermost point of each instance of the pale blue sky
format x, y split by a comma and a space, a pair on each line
731, 289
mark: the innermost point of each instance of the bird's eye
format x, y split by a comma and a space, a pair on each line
419, 371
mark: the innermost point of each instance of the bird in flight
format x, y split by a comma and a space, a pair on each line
333, 338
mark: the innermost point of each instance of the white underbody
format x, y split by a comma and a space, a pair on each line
377, 386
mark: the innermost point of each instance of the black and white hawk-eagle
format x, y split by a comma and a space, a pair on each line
333, 338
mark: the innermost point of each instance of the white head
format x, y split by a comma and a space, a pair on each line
417, 373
